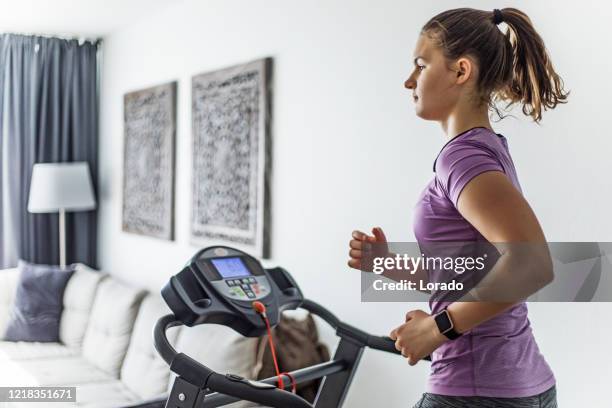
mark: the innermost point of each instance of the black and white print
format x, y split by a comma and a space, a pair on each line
148, 170
231, 140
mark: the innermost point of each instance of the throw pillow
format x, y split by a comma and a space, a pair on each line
38, 303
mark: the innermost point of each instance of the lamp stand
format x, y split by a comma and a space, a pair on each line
62, 237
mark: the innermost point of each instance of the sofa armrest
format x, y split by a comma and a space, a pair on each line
8, 287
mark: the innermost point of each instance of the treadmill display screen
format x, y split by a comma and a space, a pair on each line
230, 267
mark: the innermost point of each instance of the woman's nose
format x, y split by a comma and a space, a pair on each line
410, 83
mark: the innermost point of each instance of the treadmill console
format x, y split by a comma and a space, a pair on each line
236, 277
219, 285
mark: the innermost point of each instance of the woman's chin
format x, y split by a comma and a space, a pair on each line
418, 109
424, 114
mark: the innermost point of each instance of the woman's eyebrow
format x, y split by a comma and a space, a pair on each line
416, 58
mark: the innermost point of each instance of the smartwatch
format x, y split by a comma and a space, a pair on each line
445, 325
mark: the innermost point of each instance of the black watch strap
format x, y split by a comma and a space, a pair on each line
445, 325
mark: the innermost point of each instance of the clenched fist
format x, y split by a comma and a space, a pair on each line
375, 245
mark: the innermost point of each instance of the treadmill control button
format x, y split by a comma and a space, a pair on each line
229, 282
259, 385
239, 292
250, 294
255, 384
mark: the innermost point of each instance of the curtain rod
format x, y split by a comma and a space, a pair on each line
67, 37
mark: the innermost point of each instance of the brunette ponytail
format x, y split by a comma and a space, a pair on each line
514, 66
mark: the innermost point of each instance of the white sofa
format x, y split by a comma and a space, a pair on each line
106, 345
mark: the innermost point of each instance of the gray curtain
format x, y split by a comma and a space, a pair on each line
48, 114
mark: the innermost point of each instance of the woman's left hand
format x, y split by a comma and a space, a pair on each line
418, 337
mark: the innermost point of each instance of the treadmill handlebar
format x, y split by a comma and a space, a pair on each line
261, 393
160, 340
385, 343
203, 377
382, 343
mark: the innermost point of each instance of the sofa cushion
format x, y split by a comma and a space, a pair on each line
78, 301
105, 394
65, 371
219, 348
110, 326
8, 287
38, 303
26, 350
144, 372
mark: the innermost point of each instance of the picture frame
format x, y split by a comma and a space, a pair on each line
148, 162
231, 122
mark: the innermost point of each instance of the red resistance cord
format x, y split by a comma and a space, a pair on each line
260, 308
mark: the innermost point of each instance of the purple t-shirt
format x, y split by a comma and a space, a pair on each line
498, 358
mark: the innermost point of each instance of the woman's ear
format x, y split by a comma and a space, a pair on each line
464, 70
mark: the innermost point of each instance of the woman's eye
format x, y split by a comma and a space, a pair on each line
420, 67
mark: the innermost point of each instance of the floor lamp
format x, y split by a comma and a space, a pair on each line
61, 187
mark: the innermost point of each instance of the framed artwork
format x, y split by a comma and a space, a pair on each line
231, 111
148, 161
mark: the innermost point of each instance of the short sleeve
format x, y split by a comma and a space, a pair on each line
460, 162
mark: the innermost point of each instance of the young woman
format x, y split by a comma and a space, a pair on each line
483, 353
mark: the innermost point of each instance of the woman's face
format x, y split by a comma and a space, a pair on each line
434, 85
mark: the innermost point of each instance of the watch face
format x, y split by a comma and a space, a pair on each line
443, 321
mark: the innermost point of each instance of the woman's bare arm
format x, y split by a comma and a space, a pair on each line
502, 215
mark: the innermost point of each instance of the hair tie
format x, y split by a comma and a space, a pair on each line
498, 17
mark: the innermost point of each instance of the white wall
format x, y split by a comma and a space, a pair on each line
350, 153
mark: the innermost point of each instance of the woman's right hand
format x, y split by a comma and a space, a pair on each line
362, 242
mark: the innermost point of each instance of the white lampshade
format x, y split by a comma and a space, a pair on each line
57, 186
